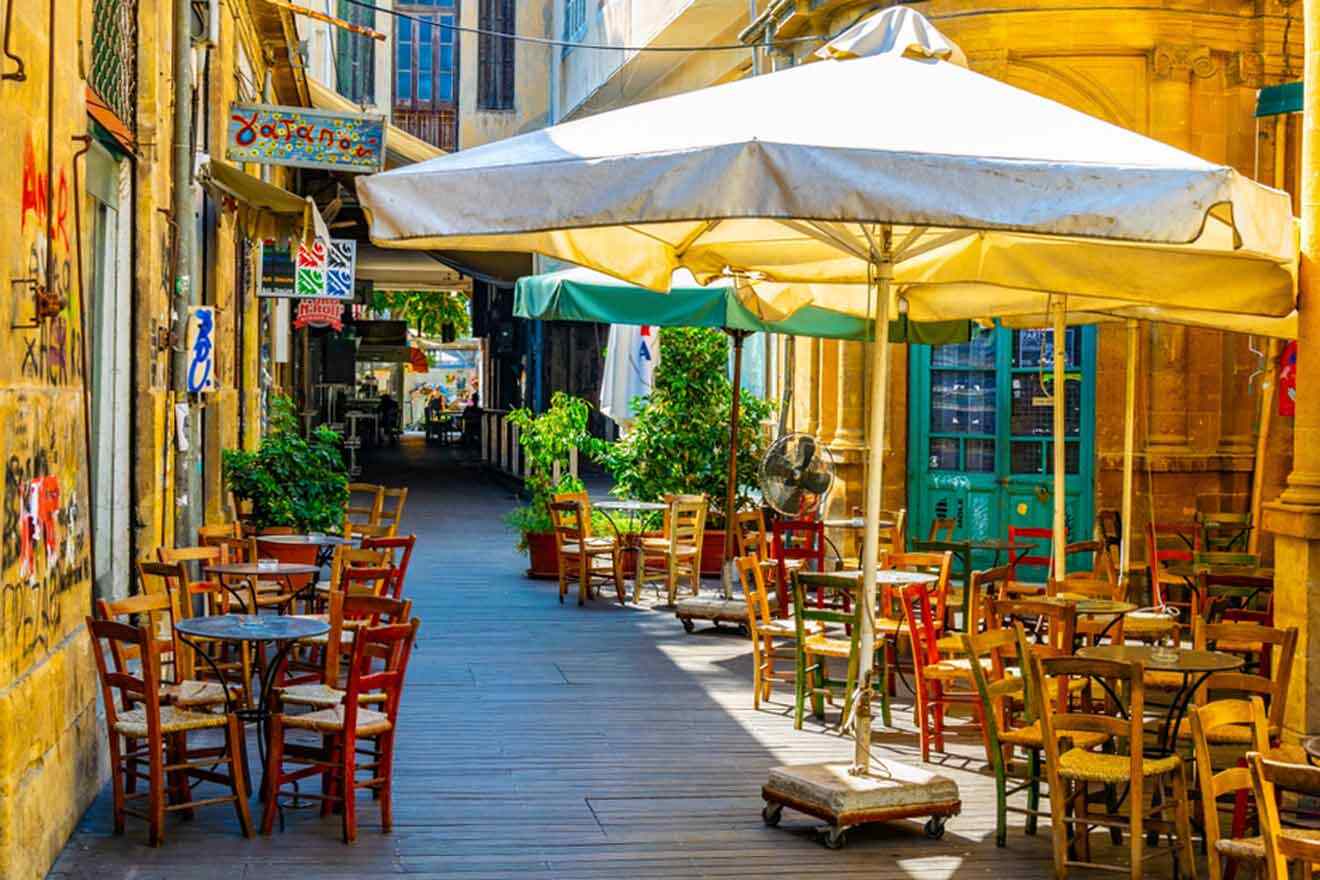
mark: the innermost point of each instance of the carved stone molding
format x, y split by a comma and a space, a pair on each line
1246, 69
1173, 61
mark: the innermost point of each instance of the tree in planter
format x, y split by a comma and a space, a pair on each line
547, 440
291, 480
679, 442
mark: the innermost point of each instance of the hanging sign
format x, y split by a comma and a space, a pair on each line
305, 138
320, 313
1288, 380
200, 348
312, 270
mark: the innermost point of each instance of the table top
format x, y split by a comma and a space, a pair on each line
997, 544
1104, 606
627, 505
888, 576
252, 627
1311, 745
305, 540
1187, 661
252, 569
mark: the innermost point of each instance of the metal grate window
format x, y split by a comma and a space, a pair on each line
114, 57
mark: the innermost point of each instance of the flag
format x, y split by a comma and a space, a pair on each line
630, 359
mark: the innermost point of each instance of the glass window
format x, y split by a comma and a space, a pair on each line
979, 352
943, 454
962, 401
1033, 407
980, 455
1027, 457
1035, 348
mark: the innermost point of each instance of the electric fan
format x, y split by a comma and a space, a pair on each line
796, 475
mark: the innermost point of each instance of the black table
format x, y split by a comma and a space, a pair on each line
1194, 666
281, 630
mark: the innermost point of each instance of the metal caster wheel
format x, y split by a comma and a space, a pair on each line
688, 625
835, 838
935, 827
771, 814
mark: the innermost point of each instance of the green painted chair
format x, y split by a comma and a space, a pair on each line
812, 650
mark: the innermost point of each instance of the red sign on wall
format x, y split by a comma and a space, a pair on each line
1288, 380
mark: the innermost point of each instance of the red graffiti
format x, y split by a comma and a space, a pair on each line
34, 186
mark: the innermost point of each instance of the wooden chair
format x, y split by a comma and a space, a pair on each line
934, 676
164, 729
390, 516
753, 539
1234, 720
1224, 531
215, 598
379, 662
765, 629
1091, 628
400, 549
990, 654
349, 613
893, 538
1072, 772
1170, 542
1102, 566
678, 551
366, 502
942, 529
1279, 645
1271, 778
814, 648
219, 530
1052, 624
582, 556
796, 545
1030, 546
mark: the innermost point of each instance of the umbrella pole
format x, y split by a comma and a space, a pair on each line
884, 272
731, 488
1059, 308
1129, 452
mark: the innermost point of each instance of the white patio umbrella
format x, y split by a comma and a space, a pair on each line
894, 167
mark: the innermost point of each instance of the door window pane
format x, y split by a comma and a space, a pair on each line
1033, 408
978, 353
1072, 457
1035, 348
943, 454
1027, 457
962, 401
980, 456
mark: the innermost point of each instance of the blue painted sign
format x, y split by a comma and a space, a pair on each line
305, 138
201, 350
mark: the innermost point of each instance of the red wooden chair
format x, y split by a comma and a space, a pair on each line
400, 548
1029, 546
797, 545
379, 661
1170, 542
933, 675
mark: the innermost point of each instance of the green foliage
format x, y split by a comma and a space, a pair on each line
546, 440
426, 311
680, 441
291, 480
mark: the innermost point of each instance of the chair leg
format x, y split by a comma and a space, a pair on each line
616, 560
768, 673
1001, 799
385, 772
756, 671
130, 781
880, 686
329, 776
641, 572
1183, 821
1137, 844
237, 782
274, 764
671, 580
938, 712
156, 793
118, 781
1033, 791
348, 781
584, 578
799, 689
1059, 827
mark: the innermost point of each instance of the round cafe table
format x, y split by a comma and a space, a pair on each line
632, 509
254, 571
1194, 666
281, 630
325, 544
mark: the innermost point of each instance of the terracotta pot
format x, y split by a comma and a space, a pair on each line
542, 556
712, 553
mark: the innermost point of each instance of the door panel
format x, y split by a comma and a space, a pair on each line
981, 434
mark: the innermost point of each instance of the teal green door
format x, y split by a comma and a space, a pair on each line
981, 438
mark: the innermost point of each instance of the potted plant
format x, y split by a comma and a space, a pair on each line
679, 442
292, 481
547, 441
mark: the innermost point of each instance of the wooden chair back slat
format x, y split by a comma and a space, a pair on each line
400, 549
1271, 779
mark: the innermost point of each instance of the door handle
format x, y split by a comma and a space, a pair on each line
1042, 493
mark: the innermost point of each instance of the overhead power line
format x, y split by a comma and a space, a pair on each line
569, 44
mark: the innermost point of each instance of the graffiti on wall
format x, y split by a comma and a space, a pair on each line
46, 247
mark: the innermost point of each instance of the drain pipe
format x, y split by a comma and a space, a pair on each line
187, 479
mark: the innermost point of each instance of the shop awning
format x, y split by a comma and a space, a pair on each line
407, 270
271, 211
585, 295
401, 148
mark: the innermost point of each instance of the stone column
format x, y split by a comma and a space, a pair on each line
849, 441
1295, 517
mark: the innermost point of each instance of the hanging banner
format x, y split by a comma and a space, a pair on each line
300, 137
631, 356
200, 347
1288, 380
320, 313
312, 270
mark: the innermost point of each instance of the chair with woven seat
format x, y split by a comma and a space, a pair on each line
349, 612
135, 712
940, 539
379, 663
400, 549
814, 649
753, 539
582, 556
796, 545
765, 630
389, 517
934, 677
1091, 628
1272, 778
893, 534
1053, 625
678, 551
1070, 773
1030, 547
1224, 530
366, 502
1277, 644
1001, 693
1102, 564
1222, 720
1171, 542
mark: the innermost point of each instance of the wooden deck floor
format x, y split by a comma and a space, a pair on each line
541, 740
